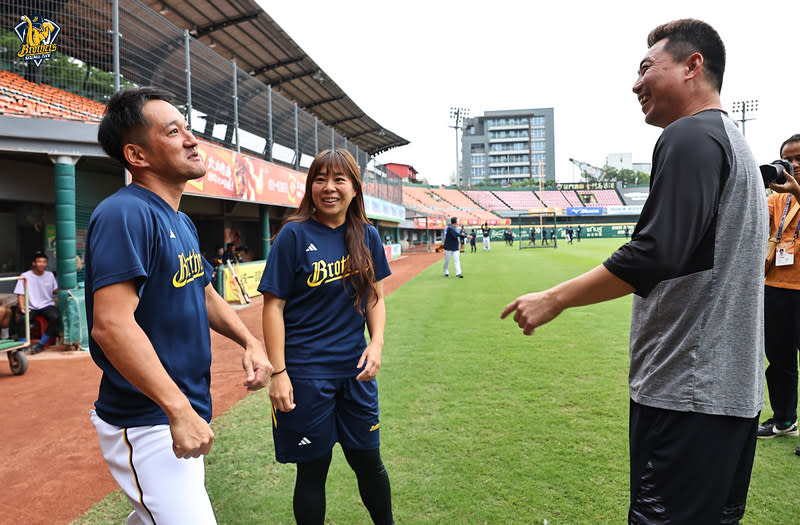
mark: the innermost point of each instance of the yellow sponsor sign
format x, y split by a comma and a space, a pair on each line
250, 275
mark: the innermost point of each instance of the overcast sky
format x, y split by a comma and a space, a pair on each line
407, 63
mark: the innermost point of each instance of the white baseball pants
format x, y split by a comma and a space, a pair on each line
456, 261
161, 487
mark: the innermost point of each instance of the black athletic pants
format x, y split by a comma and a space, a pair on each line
781, 340
50, 313
689, 468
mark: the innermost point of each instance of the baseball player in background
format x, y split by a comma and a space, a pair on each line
149, 305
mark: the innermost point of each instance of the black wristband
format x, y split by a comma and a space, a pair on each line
278, 372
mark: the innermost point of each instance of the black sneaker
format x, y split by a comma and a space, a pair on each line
771, 429
35, 349
460, 276
797, 451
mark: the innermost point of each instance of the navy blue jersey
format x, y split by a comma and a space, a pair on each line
134, 234
324, 331
452, 238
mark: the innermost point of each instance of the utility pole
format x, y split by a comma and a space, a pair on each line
743, 107
457, 117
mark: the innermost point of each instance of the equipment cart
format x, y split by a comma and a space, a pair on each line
16, 350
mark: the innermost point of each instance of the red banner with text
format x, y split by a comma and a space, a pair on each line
231, 175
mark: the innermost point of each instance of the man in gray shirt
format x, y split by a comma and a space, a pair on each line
695, 265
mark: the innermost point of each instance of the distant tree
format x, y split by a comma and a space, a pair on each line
627, 177
486, 184
533, 184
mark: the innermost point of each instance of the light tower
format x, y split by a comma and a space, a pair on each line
457, 116
744, 107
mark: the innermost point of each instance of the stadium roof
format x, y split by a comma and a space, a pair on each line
240, 29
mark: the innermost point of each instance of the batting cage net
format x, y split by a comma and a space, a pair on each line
537, 230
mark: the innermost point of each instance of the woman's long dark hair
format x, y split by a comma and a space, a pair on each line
358, 269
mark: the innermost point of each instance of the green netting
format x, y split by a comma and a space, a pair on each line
73, 314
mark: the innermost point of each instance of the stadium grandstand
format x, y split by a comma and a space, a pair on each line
519, 200
598, 209
487, 200
446, 203
21, 97
461, 202
421, 203
572, 198
553, 199
600, 197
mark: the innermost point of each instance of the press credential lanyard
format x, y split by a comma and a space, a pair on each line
784, 257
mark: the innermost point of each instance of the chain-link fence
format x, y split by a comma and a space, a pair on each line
225, 104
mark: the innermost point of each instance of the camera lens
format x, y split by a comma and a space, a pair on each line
773, 172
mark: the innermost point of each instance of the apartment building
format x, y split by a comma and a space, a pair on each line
508, 146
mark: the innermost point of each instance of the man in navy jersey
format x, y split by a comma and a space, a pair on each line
149, 306
695, 263
452, 240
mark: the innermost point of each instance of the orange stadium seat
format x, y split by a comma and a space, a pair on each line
19, 96
446, 203
519, 200
456, 198
553, 199
487, 200
601, 198
572, 198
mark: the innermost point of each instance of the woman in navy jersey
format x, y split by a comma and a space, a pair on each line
322, 285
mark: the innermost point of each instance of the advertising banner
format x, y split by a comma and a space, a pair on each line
384, 210
231, 175
591, 185
431, 223
585, 210
249, 274
624, 210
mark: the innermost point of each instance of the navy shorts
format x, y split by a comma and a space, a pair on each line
327, 411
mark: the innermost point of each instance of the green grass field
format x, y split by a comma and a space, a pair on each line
481, 424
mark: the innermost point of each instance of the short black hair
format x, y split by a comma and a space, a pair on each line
793, 138
123, 121
687, 36
38, 255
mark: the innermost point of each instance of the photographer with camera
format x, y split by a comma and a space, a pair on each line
782, 292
